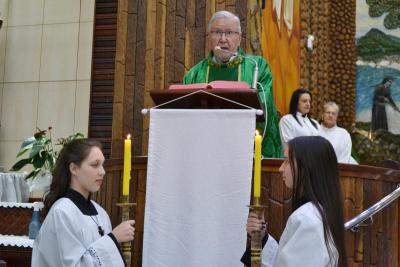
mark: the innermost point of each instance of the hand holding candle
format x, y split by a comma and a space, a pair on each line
127, 165
257, 165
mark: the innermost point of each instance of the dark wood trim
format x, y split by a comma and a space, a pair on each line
103, 68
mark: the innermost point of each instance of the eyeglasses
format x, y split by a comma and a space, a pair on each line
228, 34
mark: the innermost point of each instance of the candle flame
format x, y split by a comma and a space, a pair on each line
128, 136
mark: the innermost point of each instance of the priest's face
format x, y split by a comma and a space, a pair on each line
329, 117
304, 104
88, 176
224, 33
286, 170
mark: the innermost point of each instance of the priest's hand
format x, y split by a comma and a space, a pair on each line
256, 223
124, 232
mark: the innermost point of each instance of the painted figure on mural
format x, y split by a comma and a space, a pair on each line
382, 96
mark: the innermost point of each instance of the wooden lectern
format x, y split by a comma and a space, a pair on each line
217, 99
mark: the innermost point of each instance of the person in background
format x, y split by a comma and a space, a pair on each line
339, 137
227, 61
298, 121
314, 232
77, 231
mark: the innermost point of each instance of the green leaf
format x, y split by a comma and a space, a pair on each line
37, 147
50, 160
26, 145
32, 174
20, 164
39, 160
78, 135
47, 141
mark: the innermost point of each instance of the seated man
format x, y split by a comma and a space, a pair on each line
339, 137
227, 61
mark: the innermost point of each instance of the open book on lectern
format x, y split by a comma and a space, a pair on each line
233, 85
213, 95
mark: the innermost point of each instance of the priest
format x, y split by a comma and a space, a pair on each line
227, 61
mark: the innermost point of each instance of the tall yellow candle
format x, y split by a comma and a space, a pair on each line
127, 165
257, 165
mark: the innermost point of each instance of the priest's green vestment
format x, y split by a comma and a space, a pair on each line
241, 69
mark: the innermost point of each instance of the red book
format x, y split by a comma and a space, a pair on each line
211, 85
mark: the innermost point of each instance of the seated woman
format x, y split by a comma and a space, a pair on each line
298, 122
77, 231
314, 232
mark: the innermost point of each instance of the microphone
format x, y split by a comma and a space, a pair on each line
255, 72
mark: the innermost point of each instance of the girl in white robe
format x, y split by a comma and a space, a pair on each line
77, 231
314, 232
298, 122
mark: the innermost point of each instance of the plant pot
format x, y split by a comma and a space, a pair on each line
39, 185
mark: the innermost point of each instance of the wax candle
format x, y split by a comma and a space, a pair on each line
257, 165
127, 165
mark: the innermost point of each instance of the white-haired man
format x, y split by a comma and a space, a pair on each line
226, 61
339, 137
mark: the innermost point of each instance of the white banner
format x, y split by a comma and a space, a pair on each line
198, 187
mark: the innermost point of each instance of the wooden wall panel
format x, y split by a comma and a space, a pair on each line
103, 69
329, 69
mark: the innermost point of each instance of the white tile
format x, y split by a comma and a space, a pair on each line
8, 153
59, 52
85, 50
22, 60
3, 40
56, 107
4, 12
87, 10
19, 111
25, 12
61, 11
82, 104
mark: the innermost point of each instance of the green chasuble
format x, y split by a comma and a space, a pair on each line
271, 146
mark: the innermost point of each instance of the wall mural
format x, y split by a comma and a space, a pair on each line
378, 70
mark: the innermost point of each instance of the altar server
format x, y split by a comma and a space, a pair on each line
314, 232
298, 121
339, 137
77, 231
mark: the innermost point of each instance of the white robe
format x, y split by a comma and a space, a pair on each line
289, 128
302, 242
70, 238
341, 142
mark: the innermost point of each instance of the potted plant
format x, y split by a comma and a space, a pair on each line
41, 153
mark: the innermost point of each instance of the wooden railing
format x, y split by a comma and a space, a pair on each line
375, 245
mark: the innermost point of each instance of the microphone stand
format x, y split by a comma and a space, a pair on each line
255, 71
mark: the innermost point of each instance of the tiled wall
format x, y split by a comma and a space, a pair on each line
45, 64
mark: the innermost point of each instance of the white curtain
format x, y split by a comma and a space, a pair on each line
13, 187
198, 187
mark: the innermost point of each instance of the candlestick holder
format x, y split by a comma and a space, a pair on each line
126, 247
256, 239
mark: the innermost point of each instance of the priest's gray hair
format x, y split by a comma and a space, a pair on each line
333, 105
226, 15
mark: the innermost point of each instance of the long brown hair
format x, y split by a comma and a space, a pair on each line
316, 179
75, 151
